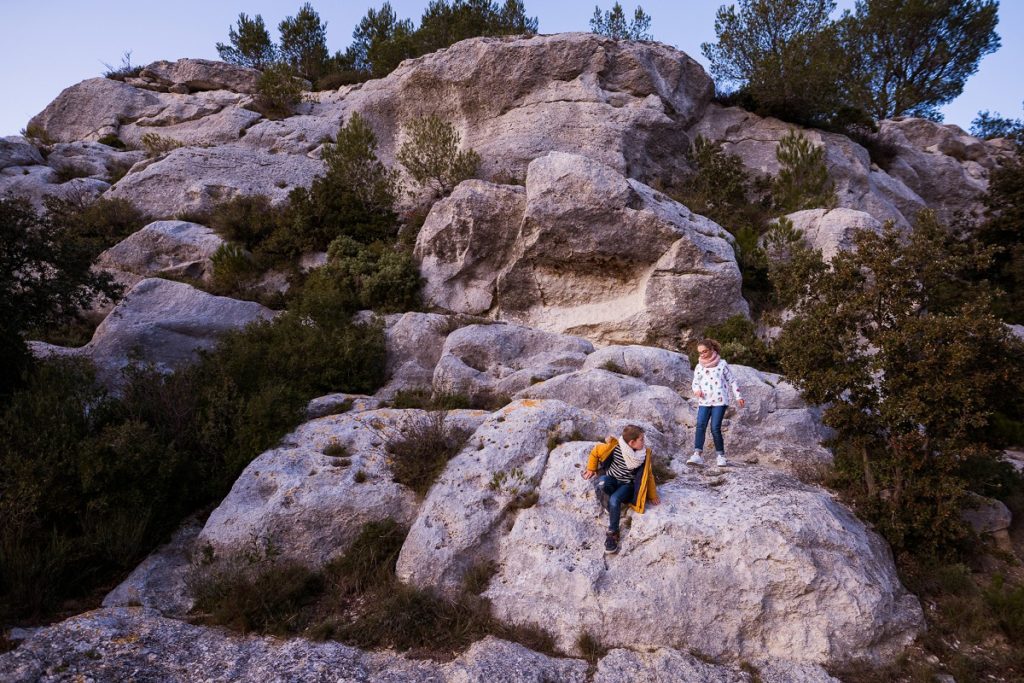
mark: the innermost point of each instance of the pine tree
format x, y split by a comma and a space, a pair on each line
250, 44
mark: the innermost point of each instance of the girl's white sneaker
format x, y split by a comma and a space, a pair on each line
720, 461
695, 459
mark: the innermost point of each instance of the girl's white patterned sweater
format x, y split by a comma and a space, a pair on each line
715, 384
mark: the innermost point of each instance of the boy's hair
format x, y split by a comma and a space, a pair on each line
631, 433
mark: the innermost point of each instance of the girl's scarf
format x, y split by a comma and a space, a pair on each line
711, 362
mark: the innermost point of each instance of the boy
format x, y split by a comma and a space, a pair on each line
627, 477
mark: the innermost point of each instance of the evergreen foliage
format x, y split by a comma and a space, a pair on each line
250, 44
303, 44
278, 90
803, 181
899, 344
432, 157
987, 125
1003, 230
46, 278
612, 23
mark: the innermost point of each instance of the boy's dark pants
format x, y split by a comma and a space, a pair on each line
618, 493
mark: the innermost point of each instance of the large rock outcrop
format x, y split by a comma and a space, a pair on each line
582, 250
162, 324
164, 248
748, 563
137, 644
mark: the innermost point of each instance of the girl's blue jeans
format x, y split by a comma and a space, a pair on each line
618, 493
715, 414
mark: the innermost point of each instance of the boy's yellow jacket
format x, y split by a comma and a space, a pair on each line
648, 489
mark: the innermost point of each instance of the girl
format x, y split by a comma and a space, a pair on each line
712, 380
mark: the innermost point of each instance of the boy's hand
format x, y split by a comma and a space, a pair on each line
587, 474
653, 502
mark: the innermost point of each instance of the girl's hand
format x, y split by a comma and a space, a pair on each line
698, 393
742, 403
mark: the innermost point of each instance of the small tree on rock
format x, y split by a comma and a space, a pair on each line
250, 44
432, 157
803, 181
612, 23
304, 43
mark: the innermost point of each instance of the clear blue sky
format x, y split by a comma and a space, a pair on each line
48, 45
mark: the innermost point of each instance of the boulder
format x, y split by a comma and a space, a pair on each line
746, 564
159, 582
309, 505
136, 644
162, 324
989, 517
222, 125
164, 248
195, 179
942, 163
647, 363
513, 99
488, 361
17, 151
831, 230
672, 665
203, 74
94, 108
590, 253
36, 183
461, 520
92, 159
414, 343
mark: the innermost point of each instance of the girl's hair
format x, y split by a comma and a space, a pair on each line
711, 344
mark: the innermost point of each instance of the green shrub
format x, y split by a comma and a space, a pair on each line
803, 181
117, 169
741, 345
370, 561
98, 224
124, 70
355, 197
69, 170
432, 157
1007, 604
233, 269
421, 447
111, 140
156, 144
278, 91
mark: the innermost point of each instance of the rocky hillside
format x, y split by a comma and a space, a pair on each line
561, 284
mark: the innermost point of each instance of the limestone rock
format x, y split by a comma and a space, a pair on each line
36, 183
672, 665
987, 515
194, 179
164, 324
414, 343
594, 254
751, 563
17, 151
459, 522
487, 361
941, 163
650, 364
203, 74
94, 108
309, 505
335, 404
513, 99
159, 581
92, 159
832, 230
170, 248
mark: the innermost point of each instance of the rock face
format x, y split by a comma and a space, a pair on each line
17, 151
832, 230
163, 324
310, 505
202, 74
414, 343
170, 248
488, 361
760, 565
137, 644
583, 250
194, 179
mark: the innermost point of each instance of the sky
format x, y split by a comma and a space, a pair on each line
48, 45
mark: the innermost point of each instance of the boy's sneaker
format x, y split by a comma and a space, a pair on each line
611, 543
720, 461
695, 459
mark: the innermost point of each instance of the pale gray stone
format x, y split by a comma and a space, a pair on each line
159, 581
203, 74
307, 504
652, 365
831, 230
17, 151
487, 361
460, 521
195, 179
590, 253
414, 343
96, 160
167, 248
